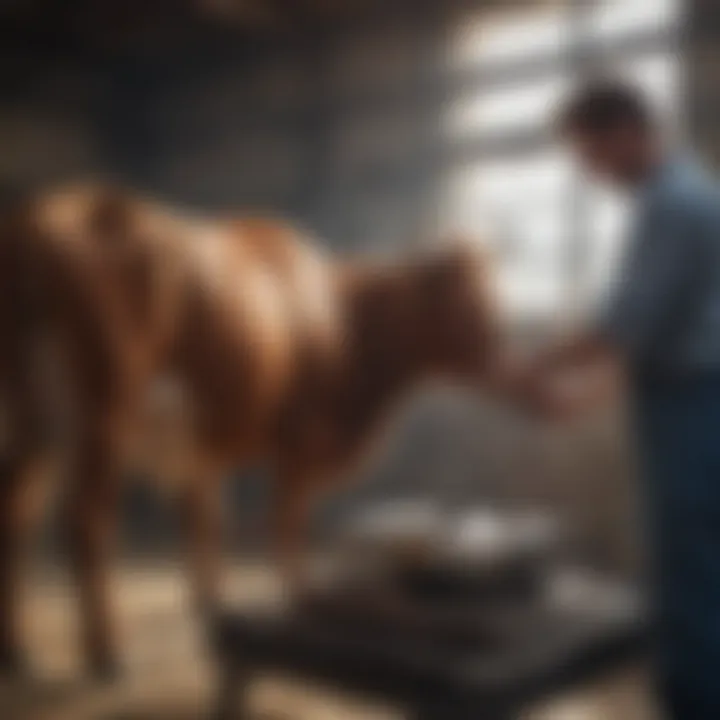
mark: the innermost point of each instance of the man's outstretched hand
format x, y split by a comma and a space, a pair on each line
564, 383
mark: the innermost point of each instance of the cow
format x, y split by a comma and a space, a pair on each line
133, 336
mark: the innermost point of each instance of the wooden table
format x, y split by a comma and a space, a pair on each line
548, 650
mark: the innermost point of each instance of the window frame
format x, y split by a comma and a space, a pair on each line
587, 51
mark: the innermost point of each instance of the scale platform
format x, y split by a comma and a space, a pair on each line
440, 652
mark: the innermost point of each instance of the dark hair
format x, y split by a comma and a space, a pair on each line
605, 105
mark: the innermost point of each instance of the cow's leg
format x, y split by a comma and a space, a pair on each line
93, 510
19, 505
202, 521
296, 497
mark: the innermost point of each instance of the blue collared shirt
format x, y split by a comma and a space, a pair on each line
664, 312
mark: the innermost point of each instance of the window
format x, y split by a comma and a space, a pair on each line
500, 38
517, 206
505, 109
553, 233
612, 18
659, 73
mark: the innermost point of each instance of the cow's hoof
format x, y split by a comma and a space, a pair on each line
106, 671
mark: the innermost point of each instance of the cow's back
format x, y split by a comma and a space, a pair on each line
260, 325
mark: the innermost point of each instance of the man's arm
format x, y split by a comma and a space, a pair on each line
572, 377
653, 297
583, 350
560, 381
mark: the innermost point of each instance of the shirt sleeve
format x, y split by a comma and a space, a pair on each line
660, 274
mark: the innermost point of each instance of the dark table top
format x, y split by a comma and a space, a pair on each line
510, 655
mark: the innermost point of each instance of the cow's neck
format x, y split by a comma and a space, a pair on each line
386, 357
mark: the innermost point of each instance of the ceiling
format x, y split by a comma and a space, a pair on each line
107, 19
104, 22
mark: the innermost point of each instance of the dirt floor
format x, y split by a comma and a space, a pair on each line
168, 677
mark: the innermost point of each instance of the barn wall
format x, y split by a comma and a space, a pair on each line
340, 128
311, 130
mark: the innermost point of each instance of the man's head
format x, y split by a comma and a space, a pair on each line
613, 130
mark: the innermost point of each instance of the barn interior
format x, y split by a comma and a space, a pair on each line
380, 127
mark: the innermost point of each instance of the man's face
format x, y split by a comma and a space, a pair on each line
612, 156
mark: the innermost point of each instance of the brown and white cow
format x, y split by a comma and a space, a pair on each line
130, 335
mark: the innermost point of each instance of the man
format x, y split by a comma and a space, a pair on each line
662, 325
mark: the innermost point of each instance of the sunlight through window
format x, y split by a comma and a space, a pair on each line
531, 206
506, 109
620, 17
505, 37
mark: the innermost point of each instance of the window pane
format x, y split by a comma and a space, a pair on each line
507, 184
507, 109
520, 208
659, 75
489, 38
619, 17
